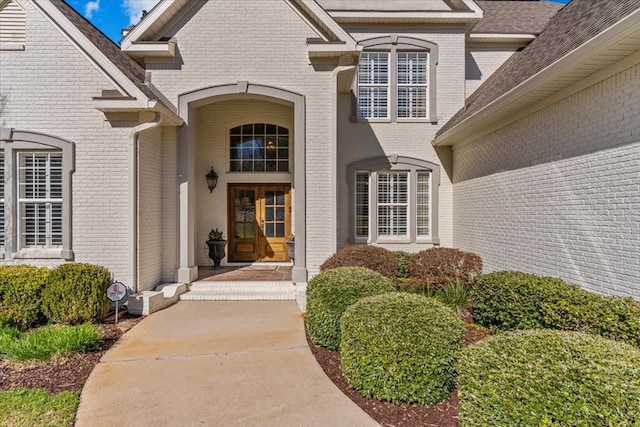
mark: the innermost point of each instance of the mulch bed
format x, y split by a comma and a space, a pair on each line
64, 373
442, 414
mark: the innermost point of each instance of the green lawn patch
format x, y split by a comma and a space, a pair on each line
23, 407
48, 341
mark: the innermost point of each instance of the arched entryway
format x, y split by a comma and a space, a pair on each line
216, 120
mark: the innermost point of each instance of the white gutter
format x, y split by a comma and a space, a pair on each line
132, 154
599, 43
333, 226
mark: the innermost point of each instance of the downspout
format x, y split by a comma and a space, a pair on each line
334, 152
133, 143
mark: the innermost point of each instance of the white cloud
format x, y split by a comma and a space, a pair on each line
90, 8
134, 8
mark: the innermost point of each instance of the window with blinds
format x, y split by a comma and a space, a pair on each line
362, 204
393, 204
412, 69
423, 206
40, 199
373, 85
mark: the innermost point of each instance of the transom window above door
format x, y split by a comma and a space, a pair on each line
259, 147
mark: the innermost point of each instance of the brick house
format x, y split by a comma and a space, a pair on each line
493, 126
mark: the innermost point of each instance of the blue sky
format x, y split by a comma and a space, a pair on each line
111, 16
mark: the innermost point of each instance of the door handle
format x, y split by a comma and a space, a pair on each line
262, 225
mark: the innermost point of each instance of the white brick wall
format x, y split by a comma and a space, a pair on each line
558, 192
48, 88
149, 209
169, 197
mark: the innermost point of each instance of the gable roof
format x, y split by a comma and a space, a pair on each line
584, 37
515, 17
127, 76
330, 33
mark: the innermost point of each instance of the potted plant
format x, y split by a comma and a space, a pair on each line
216, 244
291, 245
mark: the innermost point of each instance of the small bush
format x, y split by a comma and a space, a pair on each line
513, 300
374, 258
404, 259
549, 378
435, 267
401, 347
48, 341
331, 292
77, 293
21, 289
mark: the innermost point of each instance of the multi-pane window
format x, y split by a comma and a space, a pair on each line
393, 204
423, 205
259, 147
362, 204
397, 80
40, 199
373, 85
412, 84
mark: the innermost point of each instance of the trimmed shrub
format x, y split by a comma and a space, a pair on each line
513, 300
549, 378
435, 267
401, 347
21, 289
404, 259
77, 293
374, 258
331, 292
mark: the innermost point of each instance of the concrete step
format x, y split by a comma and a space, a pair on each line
239, 291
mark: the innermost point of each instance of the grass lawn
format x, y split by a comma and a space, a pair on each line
23, 407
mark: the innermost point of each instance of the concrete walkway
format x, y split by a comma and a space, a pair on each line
215, 363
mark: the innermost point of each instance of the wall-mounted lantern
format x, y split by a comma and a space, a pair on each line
212, 180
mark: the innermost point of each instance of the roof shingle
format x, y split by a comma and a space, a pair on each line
575, 24
515, 17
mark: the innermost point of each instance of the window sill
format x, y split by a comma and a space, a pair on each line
64, 254
12, 46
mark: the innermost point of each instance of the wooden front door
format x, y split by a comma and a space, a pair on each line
259, 221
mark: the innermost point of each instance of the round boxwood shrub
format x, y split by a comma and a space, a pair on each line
401, 347
76, 293
435, 268
331, 292
21, 289
374, 258
550, 378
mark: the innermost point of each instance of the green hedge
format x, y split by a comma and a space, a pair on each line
77, 293
21, 289
549, 378
331, 292
510, 300
401, 347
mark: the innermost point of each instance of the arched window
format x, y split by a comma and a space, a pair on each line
259, 147
397, 79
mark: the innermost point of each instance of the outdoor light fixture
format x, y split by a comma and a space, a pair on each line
212, 179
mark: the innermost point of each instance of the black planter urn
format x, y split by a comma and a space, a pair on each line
216, 252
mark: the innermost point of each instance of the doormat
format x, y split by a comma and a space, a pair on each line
260, 268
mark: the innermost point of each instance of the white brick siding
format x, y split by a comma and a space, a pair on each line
150, 209
558, 192
482, 62
48, 88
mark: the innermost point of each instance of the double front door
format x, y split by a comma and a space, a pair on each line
259, 221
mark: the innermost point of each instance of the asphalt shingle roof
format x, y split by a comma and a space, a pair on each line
515, 17
575, 24
130, 68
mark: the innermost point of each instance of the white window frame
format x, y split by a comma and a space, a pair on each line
373, 169
48, 200
376, 82
14, 143
395, 45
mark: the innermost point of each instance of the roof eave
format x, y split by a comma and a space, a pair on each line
484, 117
